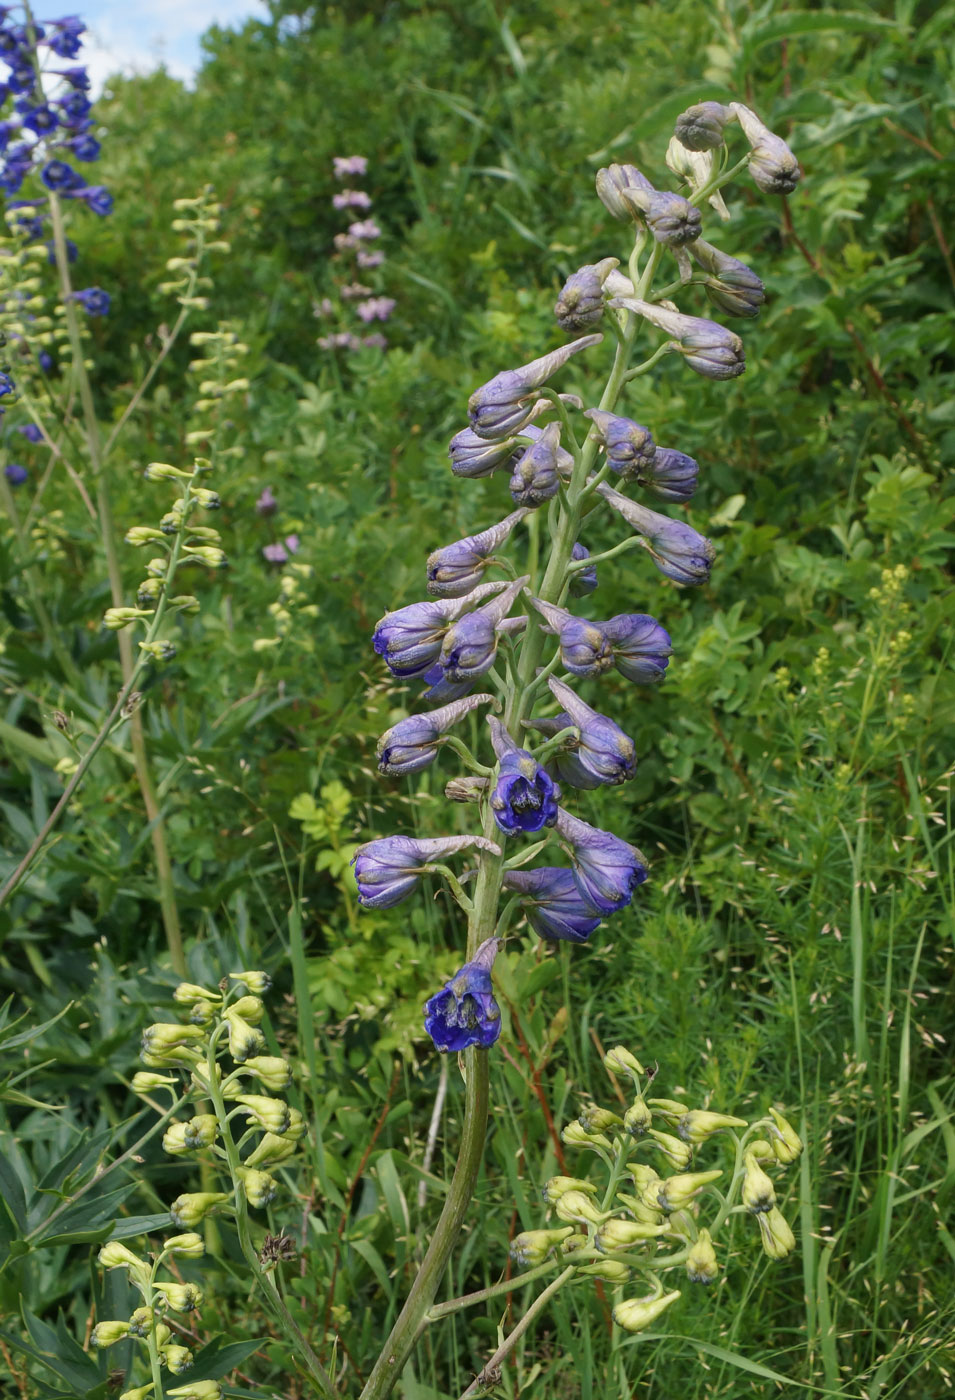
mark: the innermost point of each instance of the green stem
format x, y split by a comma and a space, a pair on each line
539, 1303
508, 1285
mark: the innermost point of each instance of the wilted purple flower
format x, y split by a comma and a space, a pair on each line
349, 165
708, 348
30, 431
500, 406
464, 1012
412, 743
553, 904
611, 183
351, 199
15, 473
386, 871
470, 644
534, 478
585, 649
672, 220
376, 309
457, 568
672, 475
700, 128
678, 551
94, 301
732, 287
774, 168
581, 300
364, 228
525, 795
369, 259
607, 869
410, 638
601, 755
582, 581
266, 504
629, 445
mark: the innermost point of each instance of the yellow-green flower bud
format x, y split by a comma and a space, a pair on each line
251, 1009
573, 1243
160, 651
181, 1297
642, 1208
757, 1194
188, 993
557, 1186
576, 1136
637, 1118
786, 1142
178, 1359
677, 1153
138, 1392
206, 554
296, 1125
141, 1322
576, 1205
107, 1334
174, 1140
115, 619
701, 1262
636, 1314
203, 1013
677, 1191
270, 1114
270, 1150
198, 1390
164, 1036
623, 1234
187, 603
162, 471
143, 1082
610, 1270
778, 1239
163, 1335
597, 1120
698, 1125
274, 1072
199, 1132
116, 1256
670, 1109
244, 1041
620, 1061
260, 1188
257, 982
187, 1210
533, 1246
761, 1150
189, 1246
142, 534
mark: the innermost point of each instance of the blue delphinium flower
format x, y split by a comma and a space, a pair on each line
600, 755
581, 300
412, 743
469, 646
30, 431
629, 445
57, 175
386, 871
585, 649
97, 198
457, 568
553, 903
410, 638
473, 457
534, 478
94, 301
15, 473
672, 475
607, 869
501, 406
679, 551
633, 642
525, 796
731, 286
707, 347
582, 581
64, 38
464, 1012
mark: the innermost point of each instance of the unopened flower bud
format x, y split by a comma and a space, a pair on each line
576, 1205
701, 127
244, 1040
669, 1109
672, 475
141, 1322
162, 471
116, 1256
701, 1262
611, 183
270, 1150
138, 1392
774, 168
609, 1270
258, 983
197, 1390
574, 1242
619, 1060
672, 220
638, 1117
505, 403
189, 1246
534, 478
785, 1141
707, 347
698, 1125
629, 446
758, 1194
177, 1359
144, 1083
188, 993
761, 1150
259, 1187
677, 1153
557, 1186
270, 1114
533, 1246
679, 551
597, 1120
274, 1072
624, 1234
139, 535
731, 286
107, 1334
180, 1297
115, 619
675, 1192
778, 1239
576, 1136
636, 1314
188, 1210
581, 303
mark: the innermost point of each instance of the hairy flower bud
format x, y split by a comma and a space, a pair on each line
574, 1135
557, 1186
637, 1314
731, 285
274, 1072
144, 1083
676, 1192
774, 168
500, 407
611, 183
584, 649
141, 1322
197, 1390
600, 754
465, 1012
255, 981
581, 301
607, 869
534, 478
594, 1119
270, 1114
701, 127
411, 744
758, 1194
785, 1141
638, 1117
629, 446
609, 1270
701, 1262
458, 568
244, 1039
532, 1247
582, 581
387, 870
469, 647
633, 642
115, 1255
473, 457
188, 993
177, 1359
708, 348
778, 1239
677, 1153
576, 1205
679, 552
620, 1060
271, 1149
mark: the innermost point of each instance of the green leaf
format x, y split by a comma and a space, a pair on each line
217, 1359
12, 1194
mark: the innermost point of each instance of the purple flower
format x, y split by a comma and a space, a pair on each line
553, 904
351, 290
672, 475
376, 341
30, 431
640, 646
72, 252
679, 551
364, 228
7, 386
581, 300
629, 446
275, 553
376, 309
474, 457
500, 406
96, 197
292, 543
75, 107
582, 581
94, 301
351, 199
386, 871
585, 650
349, 165
369, 259
266, 504
441, 691
458, 568
412, 744
534, 479
601, 755
607, 869
41, 119
700, 128
7, 131
57, 175
469, 647
345, 241
731, 286
76, 77
85, 147
774, 168
65, 41
525, 796
410, 638
611, 183
672, 220
708, 348
15, 474
464, 1012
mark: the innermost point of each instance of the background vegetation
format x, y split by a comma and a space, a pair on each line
795, 943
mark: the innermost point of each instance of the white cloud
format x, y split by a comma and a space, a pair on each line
136, 38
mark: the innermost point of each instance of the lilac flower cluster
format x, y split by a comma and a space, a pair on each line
497, 632
354, 254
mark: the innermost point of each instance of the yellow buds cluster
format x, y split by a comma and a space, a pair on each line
624, 1234
576, 1136
256, 982
188, 1246
557, 1186
107, 1334
597, 1120
699, 1125
198, 1133
619, 1060
271, 1150
577, 1205
271, 1114
274, 1072
180, 1297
